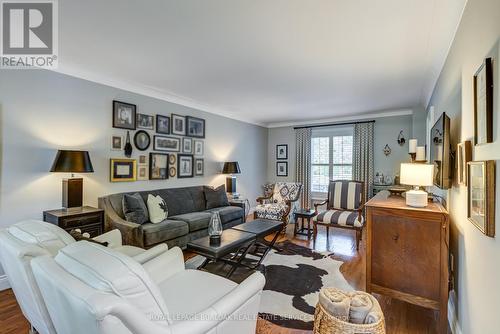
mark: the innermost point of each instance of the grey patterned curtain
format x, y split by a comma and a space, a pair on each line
303, 164
363, 155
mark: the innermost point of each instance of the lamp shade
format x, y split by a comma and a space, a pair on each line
231, 167
417, 174
72, 162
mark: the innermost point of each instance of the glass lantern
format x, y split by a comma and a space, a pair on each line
215, 228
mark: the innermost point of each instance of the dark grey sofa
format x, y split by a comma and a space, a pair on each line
187, 219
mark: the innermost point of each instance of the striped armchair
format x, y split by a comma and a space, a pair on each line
278, 205
344, 208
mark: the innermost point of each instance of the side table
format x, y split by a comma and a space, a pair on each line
303, 214
86, 218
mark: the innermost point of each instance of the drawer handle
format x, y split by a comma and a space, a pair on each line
395, 237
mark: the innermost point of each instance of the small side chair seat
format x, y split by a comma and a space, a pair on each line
340, 217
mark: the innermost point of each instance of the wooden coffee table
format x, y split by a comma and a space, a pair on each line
236, 242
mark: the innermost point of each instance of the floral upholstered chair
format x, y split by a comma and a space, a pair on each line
344, 208
278, 205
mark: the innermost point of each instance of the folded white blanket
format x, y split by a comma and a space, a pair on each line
336, 303
355, 307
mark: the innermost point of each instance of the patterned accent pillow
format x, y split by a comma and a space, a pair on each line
134, 209
158, 210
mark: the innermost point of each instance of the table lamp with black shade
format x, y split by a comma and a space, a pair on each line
231, 167
67, 161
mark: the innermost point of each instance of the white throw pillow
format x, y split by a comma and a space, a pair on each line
157, 207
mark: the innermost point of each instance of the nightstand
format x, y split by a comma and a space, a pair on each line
86, 218
242, 203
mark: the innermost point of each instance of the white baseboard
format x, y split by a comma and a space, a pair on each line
452, 315
4, 283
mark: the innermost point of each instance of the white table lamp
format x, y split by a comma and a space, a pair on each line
417, 175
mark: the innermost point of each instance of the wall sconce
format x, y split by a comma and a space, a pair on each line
387, 150
401, 138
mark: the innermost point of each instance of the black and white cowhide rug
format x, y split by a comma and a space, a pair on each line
294, 277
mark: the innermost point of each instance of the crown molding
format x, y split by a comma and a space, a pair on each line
402, 112
150, 92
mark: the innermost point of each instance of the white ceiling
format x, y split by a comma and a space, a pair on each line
263, 61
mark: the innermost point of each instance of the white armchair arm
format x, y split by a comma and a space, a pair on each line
151, 253
165, 265
228, 306
240, 294
113, 238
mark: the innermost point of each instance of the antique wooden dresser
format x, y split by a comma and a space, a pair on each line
407, 253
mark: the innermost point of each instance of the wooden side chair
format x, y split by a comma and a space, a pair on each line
278, 205
344, 208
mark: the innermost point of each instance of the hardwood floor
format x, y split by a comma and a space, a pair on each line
401, 317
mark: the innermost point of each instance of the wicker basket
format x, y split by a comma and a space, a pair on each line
325, 323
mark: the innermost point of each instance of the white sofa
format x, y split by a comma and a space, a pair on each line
92, 289
21, 242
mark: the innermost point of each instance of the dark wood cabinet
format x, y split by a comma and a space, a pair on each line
86, 218
407, 253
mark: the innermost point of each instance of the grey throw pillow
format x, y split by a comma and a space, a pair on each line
215, 197
134, 209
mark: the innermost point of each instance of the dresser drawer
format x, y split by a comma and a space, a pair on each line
74, 222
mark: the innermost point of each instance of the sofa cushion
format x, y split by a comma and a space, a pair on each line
134, 209
111, 272
228, 213
215, 197
184, 294
166, 230
195, 220
181, 200
158, 209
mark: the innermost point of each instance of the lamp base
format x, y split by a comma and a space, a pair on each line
231, 184
72, 193
416, 198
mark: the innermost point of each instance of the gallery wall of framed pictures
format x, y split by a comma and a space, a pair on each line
166, 145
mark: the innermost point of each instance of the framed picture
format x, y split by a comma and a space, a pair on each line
163, 124
282, 151
164, 143
122, 170
198, 147
483, 103
158, 166
481, 195
187, 145
172, 159
124, 115
464, 155
172, 172
178, 125
117, 143
184, 165
143, 159
195, 127
142, 173
145, 121
199, 167
282, 168
142, 140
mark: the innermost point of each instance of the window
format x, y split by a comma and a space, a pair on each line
331, 158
